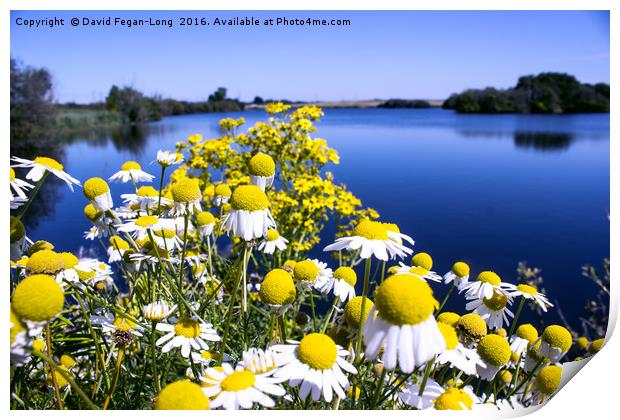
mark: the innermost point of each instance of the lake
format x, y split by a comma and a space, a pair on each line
491, 190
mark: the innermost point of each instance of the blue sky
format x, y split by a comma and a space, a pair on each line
381, 55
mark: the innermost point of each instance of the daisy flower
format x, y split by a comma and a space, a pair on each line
524, 336
530, 292
316, 365
395, 234
258, 360
342, 283
17, 202
262, 170
458, 275
166, 158
402, 321
205, 223
186, 196
131, 171
37, 300
20, 340
167, 239
181, 395
18, 186
494, 351
112, 324
555, 342
494, 311
146, 197
158, 310
311, 273
353, 312
371, 238
278, 290
140, 226
116, 250
186, 333
232, 389
249, 216
455, 354
547, 383
97, 191
421, 265
40, 165
222, 194
485, 285
436, 397
272, 241
45, 261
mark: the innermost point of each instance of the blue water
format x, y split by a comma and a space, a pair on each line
489, 190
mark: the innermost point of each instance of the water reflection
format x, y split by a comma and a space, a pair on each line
536, 140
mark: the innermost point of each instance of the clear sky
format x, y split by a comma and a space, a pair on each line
381, 55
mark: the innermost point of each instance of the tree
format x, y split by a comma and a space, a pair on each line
32, 109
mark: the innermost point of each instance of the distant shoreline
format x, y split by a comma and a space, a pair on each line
366, 103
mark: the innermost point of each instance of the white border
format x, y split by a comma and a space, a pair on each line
592, 393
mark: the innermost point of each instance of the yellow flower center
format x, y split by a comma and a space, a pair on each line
129, 165
238, 380
123, 324
494, 349
95, 187
347, 274
12, 175
497, 302
165, 233
277, 288
422, 259
204, 218
289, 264
371, 230
461, 269
187, 327
182, 395
272, 235
527, 332
526, 288
596, 345
472, 326
45, 261
449, 334
306, 271
39, 345
40, 246
262, 165
404, 300
317, 351
249, 198
558, 336
85, 275
489, 277
38, 298
49, 162
69, 259
392, 227
453, 399
67, 361
17, 229
117, 242
505, 376
186, 190
60, 378
91, 212
147, 191
146, 221
548, 379
449, 318
223, 190
353, 311
418, 271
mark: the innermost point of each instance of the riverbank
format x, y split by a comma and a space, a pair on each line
347, 104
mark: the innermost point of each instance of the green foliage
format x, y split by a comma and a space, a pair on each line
32, 110
546, 93
405, 103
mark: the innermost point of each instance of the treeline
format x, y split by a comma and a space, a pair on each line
34, 112
546, 93
405, 103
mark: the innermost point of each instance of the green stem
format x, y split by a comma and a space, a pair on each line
313, 311
117, 371
161, 185
48, 339
358, 345
445, 299
154, 357
427, 373
32, 195
329, 315
514, 321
